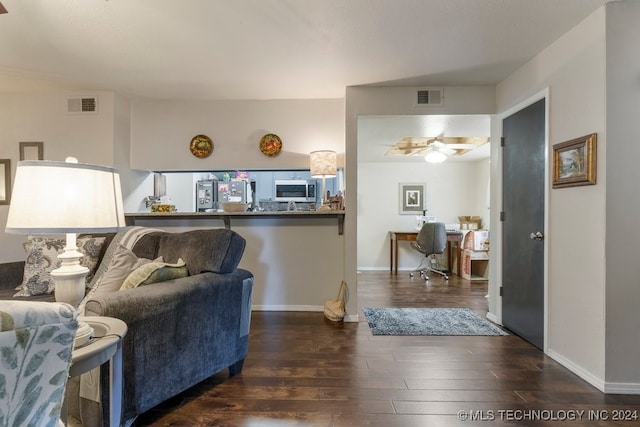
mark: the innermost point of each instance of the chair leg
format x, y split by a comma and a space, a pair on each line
424, 271
420, 269
442, 273
435, 269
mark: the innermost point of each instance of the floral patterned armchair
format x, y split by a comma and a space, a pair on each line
36, 341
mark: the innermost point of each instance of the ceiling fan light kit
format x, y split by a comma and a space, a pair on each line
435, 156
449, 146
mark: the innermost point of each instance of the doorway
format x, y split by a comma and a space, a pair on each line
523, 222
455, 187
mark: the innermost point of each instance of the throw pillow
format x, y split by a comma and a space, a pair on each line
155, 272
42, 258
123, 262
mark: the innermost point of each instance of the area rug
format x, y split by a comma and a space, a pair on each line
428, 321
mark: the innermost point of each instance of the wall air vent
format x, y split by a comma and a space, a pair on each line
82, 105
429, 97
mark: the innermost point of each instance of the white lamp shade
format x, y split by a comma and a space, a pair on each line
323, 163
59, 197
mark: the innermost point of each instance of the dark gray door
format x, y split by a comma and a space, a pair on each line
523, 223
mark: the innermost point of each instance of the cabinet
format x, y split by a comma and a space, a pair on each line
264, 184
475, 265
292, 175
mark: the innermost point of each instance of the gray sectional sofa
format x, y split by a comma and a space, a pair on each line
180, 331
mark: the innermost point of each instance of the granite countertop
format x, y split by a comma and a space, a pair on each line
222, 213
131, 217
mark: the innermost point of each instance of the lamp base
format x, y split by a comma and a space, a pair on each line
70, 284
84, 333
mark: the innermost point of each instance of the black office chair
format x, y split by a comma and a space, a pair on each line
431, 240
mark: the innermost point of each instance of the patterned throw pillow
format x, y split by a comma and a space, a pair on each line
42, 258
122, 263
155, 272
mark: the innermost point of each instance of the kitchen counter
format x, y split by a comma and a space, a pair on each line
131, 218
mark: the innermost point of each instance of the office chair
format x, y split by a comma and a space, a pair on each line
431, 240
36, 339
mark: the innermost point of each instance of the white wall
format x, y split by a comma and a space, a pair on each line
573, 70
452, 190
162, 130
391, 101
43, 117
622, 198
297, 262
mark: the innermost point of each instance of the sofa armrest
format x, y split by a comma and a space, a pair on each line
180, 332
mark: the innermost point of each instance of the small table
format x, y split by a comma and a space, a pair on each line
106, 345
410, 236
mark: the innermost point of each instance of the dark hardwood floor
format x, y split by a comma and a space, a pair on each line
303, 370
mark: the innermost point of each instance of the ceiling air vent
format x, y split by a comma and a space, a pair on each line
83, 105
429, 97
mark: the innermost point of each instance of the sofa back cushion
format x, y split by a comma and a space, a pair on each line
215, 250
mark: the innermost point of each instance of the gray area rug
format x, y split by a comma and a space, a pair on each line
428, 321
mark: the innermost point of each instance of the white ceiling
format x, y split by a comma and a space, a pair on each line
279, 49
272, 49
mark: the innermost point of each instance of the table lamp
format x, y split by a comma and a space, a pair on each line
323, 164
66, 197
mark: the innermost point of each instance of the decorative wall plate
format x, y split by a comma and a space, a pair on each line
270, 145
201, 146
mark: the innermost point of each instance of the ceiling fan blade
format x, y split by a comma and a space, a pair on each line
417, 145
405, 151
462, 146
3, 9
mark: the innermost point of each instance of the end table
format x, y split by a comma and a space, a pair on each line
105, 345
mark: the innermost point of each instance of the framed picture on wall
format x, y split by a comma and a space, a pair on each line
5, 181
574, 162
412, 198
31, 151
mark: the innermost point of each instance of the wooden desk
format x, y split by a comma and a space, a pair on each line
410, 236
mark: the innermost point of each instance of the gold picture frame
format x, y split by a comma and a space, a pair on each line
31, 151
574, 162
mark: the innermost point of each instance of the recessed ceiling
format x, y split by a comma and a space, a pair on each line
272, 49
377, 134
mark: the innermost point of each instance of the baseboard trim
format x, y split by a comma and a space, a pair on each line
314, 308
603, 386
578, 370
622, 388
351, 318
288, 308
492, 317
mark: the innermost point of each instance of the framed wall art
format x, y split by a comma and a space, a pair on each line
31, 151
574, 162
5, 181
412, 198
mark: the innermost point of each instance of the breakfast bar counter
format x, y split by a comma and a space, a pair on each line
226, 217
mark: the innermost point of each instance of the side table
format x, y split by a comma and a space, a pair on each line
106, 345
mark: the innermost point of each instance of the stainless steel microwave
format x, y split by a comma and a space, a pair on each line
295, 190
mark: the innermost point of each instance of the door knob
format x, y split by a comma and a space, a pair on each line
536, 236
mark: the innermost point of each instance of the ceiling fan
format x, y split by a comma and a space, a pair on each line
416, 146
2, 9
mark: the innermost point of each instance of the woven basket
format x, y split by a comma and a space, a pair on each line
234, 206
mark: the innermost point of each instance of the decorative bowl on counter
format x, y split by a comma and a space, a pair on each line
234, 206
157, 207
